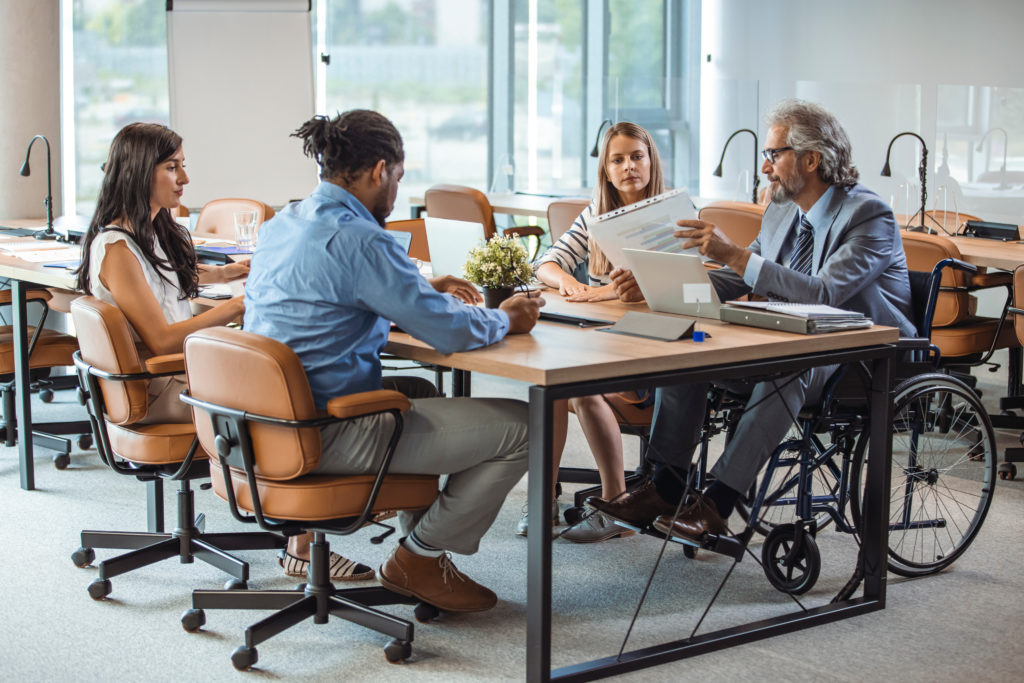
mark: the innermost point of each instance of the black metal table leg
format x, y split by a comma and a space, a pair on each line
23, 402
538, 572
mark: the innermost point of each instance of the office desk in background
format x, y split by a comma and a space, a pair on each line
563, 361
511, 203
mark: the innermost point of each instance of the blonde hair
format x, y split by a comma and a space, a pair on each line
607, 197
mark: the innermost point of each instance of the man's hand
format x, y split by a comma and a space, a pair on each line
713, 243
523, 311
457, 287
605, 293
625, 286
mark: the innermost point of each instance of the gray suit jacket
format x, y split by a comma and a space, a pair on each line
858, 263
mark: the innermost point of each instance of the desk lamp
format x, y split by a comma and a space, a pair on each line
922, 172
1002, 169
47, 234
718, 169
597, 141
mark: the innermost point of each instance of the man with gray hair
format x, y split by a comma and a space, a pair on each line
824, 239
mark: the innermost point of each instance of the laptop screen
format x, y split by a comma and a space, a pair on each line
449, 242
403, 238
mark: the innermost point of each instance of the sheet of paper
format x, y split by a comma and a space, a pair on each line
51, 255
32, 245
646, 225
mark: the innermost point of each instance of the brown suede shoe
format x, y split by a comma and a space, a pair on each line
695, 520
638, 507
434, 580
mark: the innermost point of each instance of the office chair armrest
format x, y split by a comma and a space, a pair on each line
996, 279
30, 295
523, 231
167, 363
366, 403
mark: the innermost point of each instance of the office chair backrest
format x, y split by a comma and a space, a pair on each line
106, 342
923, 252
562, 214
740, 221
250, 372
218, 216
418, 246
461, 203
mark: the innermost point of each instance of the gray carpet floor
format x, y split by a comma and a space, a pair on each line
961, 624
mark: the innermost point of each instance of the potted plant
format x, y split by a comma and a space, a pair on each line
498, 266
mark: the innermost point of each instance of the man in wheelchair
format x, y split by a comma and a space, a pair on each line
824, 239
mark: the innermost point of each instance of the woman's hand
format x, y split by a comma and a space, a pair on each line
234, 271
236, 305
457, 287
604, 293
626, 288
570, 286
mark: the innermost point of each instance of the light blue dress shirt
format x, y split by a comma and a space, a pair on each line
816, 217
327, 281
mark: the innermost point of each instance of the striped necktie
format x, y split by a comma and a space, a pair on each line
803, 252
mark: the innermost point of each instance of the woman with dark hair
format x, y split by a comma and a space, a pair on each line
628, 171
136, 257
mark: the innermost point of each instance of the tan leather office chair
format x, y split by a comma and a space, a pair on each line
47, 349
114, 380
562, 214
254, 409
963, 337
418, 247
740, 221
217, 216
457, 202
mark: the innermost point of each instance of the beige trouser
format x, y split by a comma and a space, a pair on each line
481, 443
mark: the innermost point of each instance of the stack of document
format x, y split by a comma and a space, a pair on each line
800, 318
38, 251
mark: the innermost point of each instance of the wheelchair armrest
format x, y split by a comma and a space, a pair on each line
959, 265
366, 403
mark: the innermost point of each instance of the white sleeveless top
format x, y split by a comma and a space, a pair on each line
174, 309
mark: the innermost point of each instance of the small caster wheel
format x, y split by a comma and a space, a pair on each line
45, 395
791, 559
689, 551
61, 461
397, 651
85, 442
193, 619
244, 657
83, 557
425, 612
1007, 471
99, 589
235, 585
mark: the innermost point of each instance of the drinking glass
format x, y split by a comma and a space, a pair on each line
245, 229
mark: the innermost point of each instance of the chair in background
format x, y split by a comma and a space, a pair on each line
457, 202
255, 411
47, 349
561, 215
418, 247
180, 211
740, 221
114, 384
217, 216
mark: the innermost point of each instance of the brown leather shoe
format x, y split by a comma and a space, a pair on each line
699, 518
434, 580
638, 507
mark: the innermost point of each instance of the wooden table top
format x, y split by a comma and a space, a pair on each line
556, 353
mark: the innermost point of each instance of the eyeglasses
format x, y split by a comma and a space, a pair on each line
770, 153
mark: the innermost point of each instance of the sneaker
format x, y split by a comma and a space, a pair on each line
594, 529
342, 568
524, 521
435, 581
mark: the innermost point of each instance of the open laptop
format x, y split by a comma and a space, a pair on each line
661, 277
450, 242
403, 238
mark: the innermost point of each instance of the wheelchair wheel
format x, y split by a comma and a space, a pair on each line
943, 474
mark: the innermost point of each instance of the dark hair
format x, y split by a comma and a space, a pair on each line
350, 143
812, 128
124, 197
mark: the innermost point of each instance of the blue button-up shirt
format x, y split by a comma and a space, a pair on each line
326, 280
816, 217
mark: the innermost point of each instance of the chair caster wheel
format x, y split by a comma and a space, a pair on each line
689, 551
791, 559
244, 657
85, 442
397, 651
1007, 471
193, 619
235, 585
99, 589
83, 557
61, 461
425, 612
45, 395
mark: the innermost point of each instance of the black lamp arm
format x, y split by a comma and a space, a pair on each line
48, 201
721, 159
922, 168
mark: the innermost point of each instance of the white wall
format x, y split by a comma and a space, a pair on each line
876, 64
